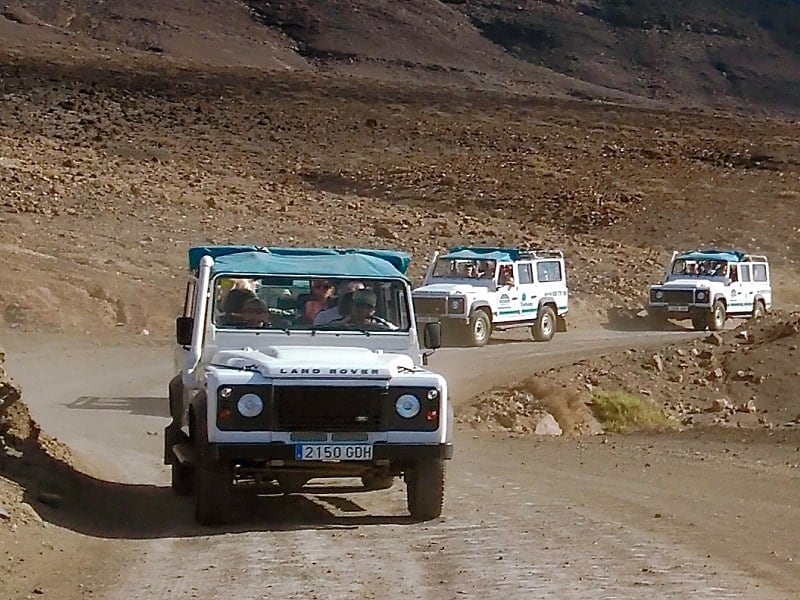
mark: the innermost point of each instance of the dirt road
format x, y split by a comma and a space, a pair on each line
699, 515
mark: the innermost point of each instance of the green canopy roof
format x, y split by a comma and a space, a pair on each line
316, 262
718, 255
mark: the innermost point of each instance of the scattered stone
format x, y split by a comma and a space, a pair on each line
4, 514
658, 362
714, 339
743, 335
548, 426
748, 407
719, 405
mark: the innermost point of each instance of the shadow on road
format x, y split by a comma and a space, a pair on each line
145, 406
74, 500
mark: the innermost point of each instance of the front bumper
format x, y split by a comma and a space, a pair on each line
678, 311
395, 453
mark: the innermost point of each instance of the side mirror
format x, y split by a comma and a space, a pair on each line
432, 337
183, 330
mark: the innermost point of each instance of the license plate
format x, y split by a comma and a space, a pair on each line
678, 309
428, 319
333, 452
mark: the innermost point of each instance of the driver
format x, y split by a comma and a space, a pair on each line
362, 314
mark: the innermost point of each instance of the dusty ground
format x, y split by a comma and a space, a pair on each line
123, 140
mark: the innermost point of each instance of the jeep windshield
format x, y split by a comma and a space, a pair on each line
448, 268
699, 268
309, 303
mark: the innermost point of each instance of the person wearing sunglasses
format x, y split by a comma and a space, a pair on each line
321, 292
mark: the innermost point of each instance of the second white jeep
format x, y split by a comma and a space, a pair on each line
708, 286
474, 291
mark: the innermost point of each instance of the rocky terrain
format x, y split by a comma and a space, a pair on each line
742, 378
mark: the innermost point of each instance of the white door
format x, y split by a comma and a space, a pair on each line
507, 294
742, 294
528, 295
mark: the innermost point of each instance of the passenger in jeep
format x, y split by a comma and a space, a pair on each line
506, 275
255, 314
362, 313
342, 303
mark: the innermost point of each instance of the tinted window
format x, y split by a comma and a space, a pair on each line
525, 273
759, 272
549, 270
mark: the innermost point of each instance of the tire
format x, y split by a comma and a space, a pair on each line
182, 479
700, 321
213, 479
545, 327
759, 310
716, 320
212, 492
480, 328
377, 482
425, 490
291, 483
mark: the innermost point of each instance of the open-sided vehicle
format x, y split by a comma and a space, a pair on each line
263, 395
709, 286
474, 291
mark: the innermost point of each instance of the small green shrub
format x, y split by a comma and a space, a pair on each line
622, 412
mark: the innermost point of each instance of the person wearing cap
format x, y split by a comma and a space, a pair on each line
342, 308
362, 314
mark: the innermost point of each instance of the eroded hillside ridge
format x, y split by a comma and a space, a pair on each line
726, 54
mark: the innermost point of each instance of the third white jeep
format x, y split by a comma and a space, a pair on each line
708, 286
473, 291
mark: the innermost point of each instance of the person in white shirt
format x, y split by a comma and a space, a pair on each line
343, 297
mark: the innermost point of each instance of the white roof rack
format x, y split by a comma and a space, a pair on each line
540, 253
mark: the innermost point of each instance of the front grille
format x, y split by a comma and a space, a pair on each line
430, 306
318, 408
674, 296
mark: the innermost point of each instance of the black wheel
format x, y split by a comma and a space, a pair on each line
182, 479
545, 327
377, 482
213, 479
759, 310
716, 320
480, 328
700, 321
212, 492
291, 483
425, 490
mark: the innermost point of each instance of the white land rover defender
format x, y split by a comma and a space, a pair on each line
473, 291
708, 286
264, 395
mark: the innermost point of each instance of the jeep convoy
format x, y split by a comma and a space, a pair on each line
708, 286
265, 395
301, 363
473, 291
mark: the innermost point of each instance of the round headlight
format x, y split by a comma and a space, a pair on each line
250, 405
659, 294
455, 305
433, 394
225, 392
701, 295
407, 406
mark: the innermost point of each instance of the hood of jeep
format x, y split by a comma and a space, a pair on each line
323, 362
437, 290
694, 283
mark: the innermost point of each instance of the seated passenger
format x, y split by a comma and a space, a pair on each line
506, 276
255, 314
486, 269
469, 271
321, 292
362, 314
234, 303
341, 308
